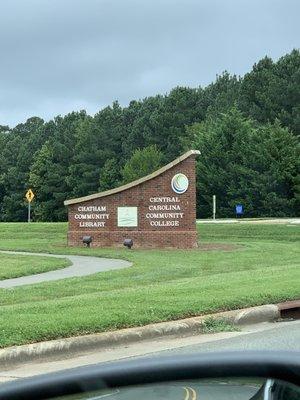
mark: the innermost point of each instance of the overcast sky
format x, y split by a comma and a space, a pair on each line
63, 55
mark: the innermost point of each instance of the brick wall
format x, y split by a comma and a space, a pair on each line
151, 232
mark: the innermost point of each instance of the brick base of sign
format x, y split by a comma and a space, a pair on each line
154, 239
157, 211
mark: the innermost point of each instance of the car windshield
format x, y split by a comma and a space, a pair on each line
149, 185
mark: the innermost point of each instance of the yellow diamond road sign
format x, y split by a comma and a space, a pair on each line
29, 195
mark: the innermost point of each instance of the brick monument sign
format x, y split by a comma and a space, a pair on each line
156, 211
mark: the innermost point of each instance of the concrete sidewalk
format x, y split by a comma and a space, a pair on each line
81, 266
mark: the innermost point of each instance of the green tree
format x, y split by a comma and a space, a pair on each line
142, 163
97, 140
272, 91
50, 168
21, 144
242, 162
275, 164
162, 121
222, 94
110, 175
43, 178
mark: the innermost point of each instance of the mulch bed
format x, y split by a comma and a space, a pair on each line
218, 246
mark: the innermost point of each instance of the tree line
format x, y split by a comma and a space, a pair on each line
247, 129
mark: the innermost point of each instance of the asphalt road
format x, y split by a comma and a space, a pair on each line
282, 336
266, 336
192, 390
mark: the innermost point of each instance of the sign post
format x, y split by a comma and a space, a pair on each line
29, 196
214, 207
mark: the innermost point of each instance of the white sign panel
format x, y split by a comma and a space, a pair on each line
127, 217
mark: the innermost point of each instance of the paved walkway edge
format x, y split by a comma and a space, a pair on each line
80, 266
67, 348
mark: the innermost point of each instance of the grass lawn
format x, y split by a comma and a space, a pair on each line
13, 266
161, 285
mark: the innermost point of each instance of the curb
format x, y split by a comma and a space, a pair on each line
268, 312
67, 348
